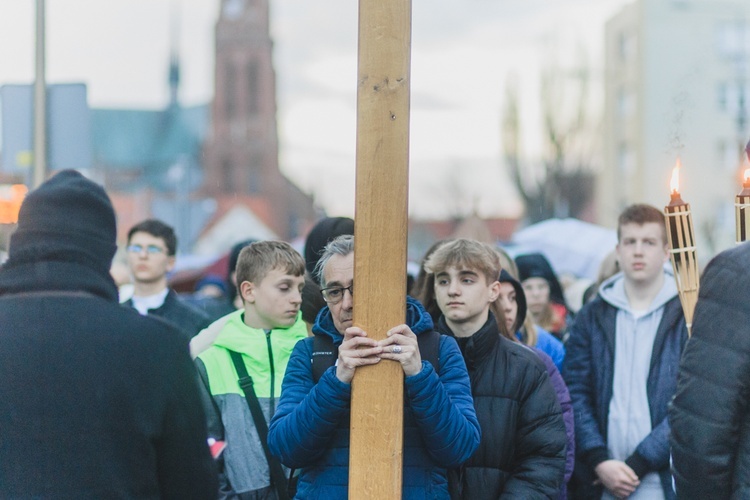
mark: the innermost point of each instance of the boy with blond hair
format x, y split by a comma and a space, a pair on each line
257, 339
522, 450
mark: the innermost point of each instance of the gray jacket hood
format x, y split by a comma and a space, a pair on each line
613, 292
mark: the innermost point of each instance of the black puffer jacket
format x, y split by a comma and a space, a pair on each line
522, 451
710, 413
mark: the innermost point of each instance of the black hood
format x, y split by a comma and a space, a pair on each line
505, 277
325, 231
536, 265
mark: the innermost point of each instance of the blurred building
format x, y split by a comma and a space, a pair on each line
423, 233
241, 150
677, 84
213, 167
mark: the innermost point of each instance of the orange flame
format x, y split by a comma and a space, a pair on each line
746, 176
674, 183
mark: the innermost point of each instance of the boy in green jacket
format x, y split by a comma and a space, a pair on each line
270, 277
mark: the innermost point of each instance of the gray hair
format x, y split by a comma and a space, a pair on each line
342, 245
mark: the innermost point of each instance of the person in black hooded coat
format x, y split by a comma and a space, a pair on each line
96, 400
544, 295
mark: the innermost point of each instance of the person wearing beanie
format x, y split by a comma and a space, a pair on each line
324, 231
544, 295
96, 401
514, 298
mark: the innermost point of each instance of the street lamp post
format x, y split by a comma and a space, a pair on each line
40, 101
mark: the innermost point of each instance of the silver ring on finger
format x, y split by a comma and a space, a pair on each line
396, 349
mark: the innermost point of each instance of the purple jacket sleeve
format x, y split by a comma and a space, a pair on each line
563, 397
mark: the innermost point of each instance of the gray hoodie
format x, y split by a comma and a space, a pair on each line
629, 416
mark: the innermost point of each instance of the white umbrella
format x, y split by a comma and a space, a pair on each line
571, 245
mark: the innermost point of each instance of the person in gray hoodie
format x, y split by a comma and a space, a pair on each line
621, 368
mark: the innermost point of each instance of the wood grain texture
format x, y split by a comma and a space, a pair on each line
380, 241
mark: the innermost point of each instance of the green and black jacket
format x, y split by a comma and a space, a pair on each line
266, 354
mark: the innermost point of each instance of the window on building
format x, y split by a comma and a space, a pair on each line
727, 155
625, 102
253, 175
733, 97
625, 159
733, 38
227, 176
625, 46
722, 96
230, 91
253, 89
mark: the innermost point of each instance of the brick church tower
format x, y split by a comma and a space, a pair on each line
241, 151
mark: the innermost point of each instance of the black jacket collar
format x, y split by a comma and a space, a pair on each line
44, 276
477, 347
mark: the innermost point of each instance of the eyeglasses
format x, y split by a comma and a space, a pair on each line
334, 294
150, 249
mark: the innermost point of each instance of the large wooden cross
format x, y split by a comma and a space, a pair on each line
375, 463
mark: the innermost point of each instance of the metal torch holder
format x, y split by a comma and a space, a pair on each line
682, 252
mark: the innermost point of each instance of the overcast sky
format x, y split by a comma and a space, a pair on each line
462, 54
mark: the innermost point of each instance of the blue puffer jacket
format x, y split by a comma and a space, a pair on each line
310, 429
589, 371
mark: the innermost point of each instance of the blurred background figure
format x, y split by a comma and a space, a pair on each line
151, 249
324, 231
544, 295
211, 295
608, 268
312, 302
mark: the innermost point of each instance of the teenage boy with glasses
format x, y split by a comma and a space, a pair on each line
150, 257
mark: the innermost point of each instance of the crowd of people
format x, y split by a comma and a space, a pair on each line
244, 392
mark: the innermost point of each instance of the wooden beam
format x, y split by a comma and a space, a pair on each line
381, 214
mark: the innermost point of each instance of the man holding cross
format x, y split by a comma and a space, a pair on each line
310, 429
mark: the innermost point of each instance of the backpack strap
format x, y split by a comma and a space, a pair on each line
278, 480
429, 348
323, 356
325, 353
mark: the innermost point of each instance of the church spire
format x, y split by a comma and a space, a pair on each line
174, 58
